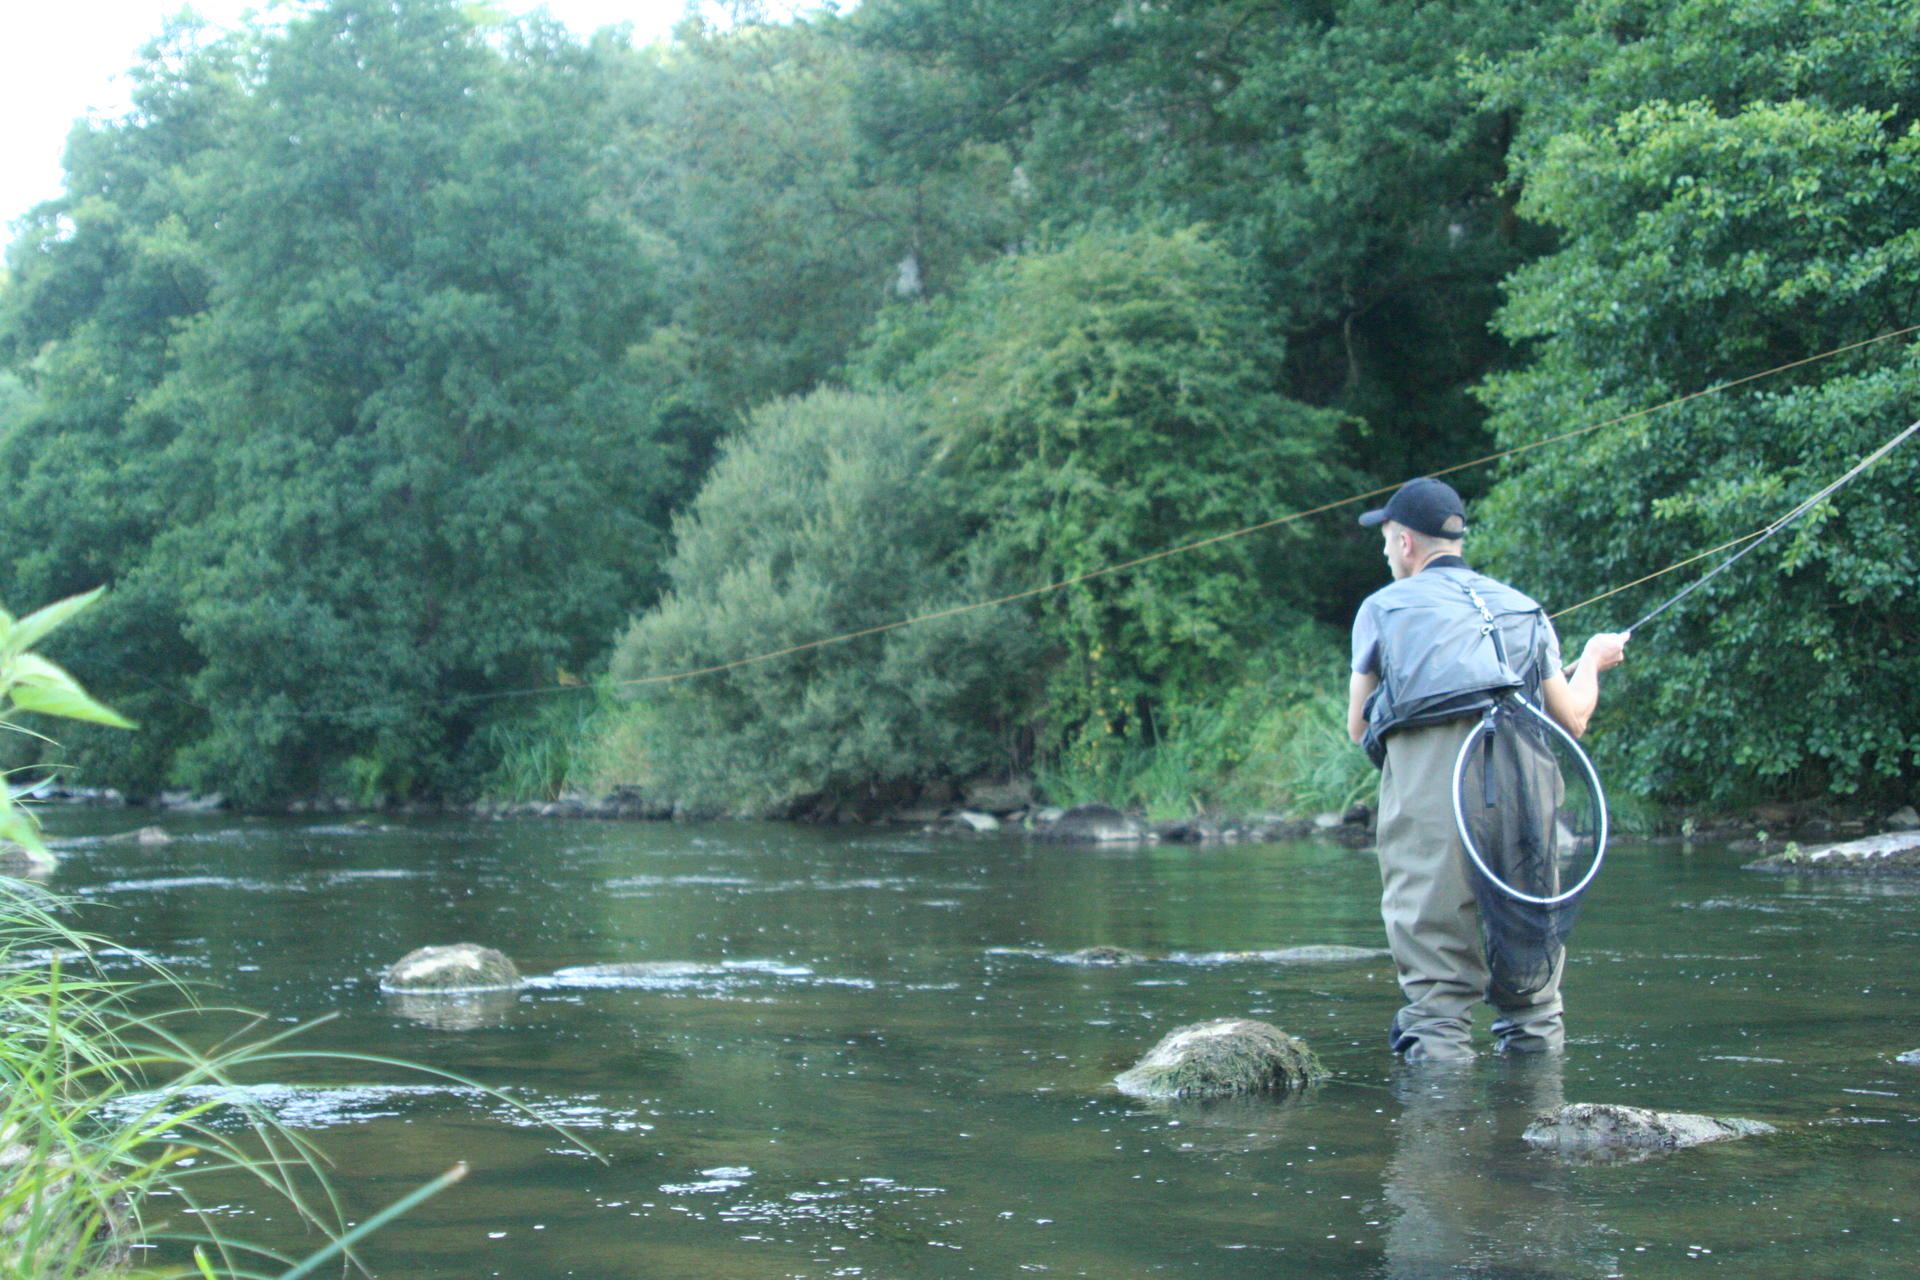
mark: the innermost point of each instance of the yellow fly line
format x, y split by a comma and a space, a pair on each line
1290, 518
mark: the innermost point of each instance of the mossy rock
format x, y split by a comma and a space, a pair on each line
1608, 1131
451, 970
1220, 1059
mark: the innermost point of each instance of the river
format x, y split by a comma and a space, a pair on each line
864, 1053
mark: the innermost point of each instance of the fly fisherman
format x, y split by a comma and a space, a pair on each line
1422, 677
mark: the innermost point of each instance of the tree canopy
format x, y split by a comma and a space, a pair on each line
390, 356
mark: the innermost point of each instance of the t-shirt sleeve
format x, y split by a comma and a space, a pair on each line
1549, 650
1366, 640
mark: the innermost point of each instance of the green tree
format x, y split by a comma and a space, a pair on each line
822, 518
1762, 216
783, 229
1336, 147
392, 449
1099, 403
101, 279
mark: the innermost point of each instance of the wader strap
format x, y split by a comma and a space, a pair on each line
1488, 627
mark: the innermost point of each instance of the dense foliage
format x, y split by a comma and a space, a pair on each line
1736, 188
373, 355
330, 347
1101, 402
823, 518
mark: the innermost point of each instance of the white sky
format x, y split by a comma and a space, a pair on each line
61, 59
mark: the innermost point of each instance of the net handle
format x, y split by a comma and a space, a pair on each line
1593, 780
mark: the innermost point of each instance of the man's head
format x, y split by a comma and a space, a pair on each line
1424, 518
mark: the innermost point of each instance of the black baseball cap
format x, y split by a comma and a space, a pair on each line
1424, 505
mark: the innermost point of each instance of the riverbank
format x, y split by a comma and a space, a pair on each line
1018, 807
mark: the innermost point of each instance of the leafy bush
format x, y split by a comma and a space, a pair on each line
822, 518
1732, 228
1103, 401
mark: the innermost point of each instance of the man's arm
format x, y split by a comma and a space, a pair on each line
1359, 688
1571, 697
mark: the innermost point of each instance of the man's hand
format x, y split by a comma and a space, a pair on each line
1605, 650
1571, 697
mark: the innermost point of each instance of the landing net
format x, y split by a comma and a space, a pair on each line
1533, 819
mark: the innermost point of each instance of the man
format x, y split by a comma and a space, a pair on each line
1431, 651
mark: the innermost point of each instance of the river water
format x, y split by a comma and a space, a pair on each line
864, 1053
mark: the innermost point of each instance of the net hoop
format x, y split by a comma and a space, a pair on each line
1593, 780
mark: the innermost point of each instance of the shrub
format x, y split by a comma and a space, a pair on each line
1275, 741
822, 518
1104, 400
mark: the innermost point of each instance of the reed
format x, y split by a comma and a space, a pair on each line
111, 1119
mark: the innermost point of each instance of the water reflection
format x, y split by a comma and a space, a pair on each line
1241, 1124
1464, 1195
459, 1011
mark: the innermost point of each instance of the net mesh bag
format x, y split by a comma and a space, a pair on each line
1533, 822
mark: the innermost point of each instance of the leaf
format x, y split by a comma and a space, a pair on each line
28, 631
17, 825
41, 686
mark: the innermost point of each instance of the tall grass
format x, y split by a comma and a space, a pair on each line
103, 1107
110, 1119
1276, 742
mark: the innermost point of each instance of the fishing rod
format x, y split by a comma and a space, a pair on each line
1753, 541
1761, 537
1536, 863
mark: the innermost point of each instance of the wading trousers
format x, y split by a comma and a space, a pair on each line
1433, 924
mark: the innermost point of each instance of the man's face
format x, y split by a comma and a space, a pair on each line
1398, 549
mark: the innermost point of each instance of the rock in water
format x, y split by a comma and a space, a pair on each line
18, 860
1911, 1057
1220, 1058
1095, 824
1894, 853
1607, 1131
1103, 955
454, 1010
451, 970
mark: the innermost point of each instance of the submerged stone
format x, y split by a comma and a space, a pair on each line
146, 837
451, 970
1103, 955
1221, 1058
641, 970
1608, 1131
1317, 954
455, 1010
